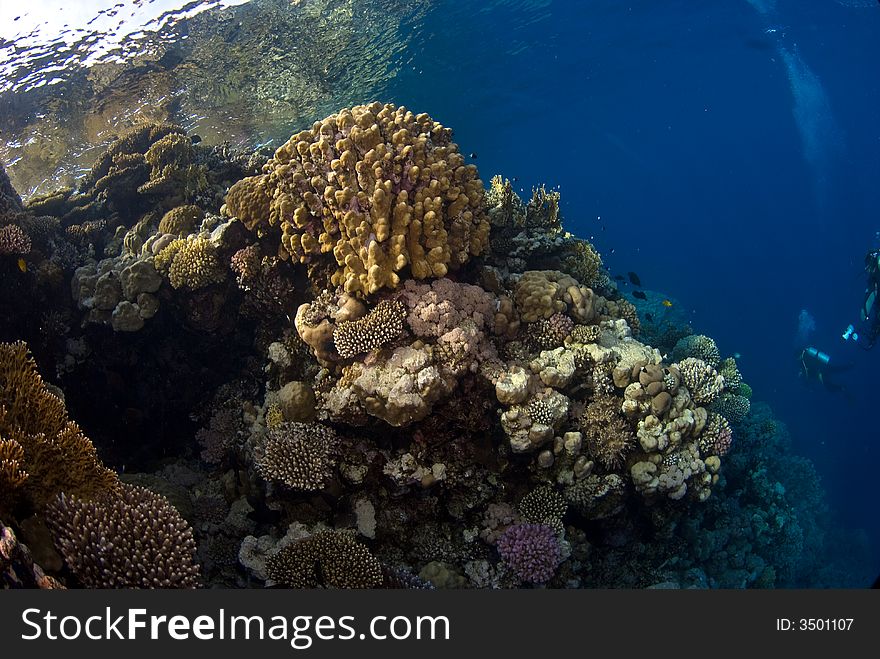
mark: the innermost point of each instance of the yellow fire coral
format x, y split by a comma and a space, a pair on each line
52, 451
377, 186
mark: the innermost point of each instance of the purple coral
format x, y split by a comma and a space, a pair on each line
531, 550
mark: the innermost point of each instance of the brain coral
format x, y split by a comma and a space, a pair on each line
379, 187
135, 539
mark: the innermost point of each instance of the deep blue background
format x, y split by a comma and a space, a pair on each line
736, 170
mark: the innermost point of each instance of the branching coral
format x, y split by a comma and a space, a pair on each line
544, 505
13, 240
698, 346
701, 379
380, 188
299, 455
12, 475
332, 559
549, 333
733, 407
717, 436
134, 539
531, 550
380, 326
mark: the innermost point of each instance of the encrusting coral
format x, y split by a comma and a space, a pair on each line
379, 187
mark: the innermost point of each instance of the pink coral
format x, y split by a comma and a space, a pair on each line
13, 240
439, 307
723, 441
462, 348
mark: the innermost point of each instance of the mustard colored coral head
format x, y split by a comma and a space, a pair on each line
377, 187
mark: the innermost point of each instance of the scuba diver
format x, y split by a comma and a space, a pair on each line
816, 365
869, 315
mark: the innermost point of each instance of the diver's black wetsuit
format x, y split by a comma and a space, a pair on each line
816, 365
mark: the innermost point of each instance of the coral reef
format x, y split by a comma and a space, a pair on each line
347, 382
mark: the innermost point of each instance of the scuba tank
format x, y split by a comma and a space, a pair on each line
818, 355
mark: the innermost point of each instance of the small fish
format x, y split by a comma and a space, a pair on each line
640, 295
634, 278
666, 303
515, 179
649, 318
22, 265
612, 251
474, 156
736, 355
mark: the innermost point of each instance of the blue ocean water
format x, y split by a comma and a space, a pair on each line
728, 153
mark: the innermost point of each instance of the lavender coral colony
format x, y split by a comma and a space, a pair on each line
350, 364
